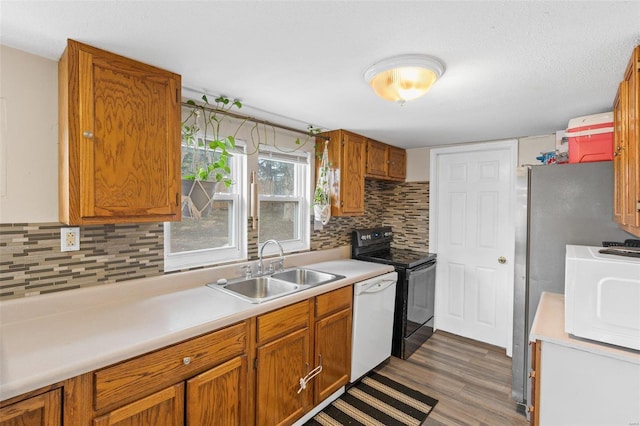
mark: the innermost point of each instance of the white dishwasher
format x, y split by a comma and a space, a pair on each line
373, 306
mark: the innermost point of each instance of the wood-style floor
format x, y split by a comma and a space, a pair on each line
471, 381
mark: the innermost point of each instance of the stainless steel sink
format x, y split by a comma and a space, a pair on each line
263, 288
306, 277
258, 289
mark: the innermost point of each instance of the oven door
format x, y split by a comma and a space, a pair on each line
421, 285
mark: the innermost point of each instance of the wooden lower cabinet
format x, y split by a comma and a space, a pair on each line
198, 382
285, 355
218, 396
333, 316
282, 359
245, 374
333, 352
39, 410
281, 364
165, 407
534, 376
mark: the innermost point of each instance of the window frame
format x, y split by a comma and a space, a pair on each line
302, 197
218, 255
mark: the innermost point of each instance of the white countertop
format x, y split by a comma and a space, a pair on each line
54, 337
548, 325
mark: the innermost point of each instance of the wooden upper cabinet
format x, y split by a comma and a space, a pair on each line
397, 163
347, 161
385, 161
377, 159
119, 139
620, 116
627, 148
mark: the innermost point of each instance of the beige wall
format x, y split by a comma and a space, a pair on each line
28, 137
418, 159
531, 147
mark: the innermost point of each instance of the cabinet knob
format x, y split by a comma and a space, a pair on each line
502, 260
186, 360
88, 134
531, 409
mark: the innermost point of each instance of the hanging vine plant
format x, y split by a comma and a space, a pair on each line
208, 150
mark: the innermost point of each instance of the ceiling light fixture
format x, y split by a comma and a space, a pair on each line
403, 78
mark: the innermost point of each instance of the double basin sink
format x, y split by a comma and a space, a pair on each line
268, 287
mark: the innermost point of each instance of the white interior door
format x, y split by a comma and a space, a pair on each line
471, 230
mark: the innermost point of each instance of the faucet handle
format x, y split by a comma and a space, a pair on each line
247, 271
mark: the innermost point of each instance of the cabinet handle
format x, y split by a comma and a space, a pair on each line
186, 360
88, 134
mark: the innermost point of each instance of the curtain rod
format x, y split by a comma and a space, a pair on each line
252, 119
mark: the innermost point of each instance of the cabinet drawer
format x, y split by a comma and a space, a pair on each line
138, 377
334, 301
283, 321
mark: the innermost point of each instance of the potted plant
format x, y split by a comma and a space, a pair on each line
205, 153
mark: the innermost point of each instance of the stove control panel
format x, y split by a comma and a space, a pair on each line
372, 236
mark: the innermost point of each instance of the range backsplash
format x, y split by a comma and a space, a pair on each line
31, 262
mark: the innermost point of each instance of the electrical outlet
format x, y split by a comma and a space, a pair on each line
69, 239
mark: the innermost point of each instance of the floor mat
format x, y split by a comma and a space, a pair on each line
376, 400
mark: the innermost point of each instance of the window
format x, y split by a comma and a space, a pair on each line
213, 226
283, 194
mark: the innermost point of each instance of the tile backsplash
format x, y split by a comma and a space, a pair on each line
31, 262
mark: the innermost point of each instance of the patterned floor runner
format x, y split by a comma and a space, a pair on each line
376, 401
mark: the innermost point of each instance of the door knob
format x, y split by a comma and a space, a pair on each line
502, 260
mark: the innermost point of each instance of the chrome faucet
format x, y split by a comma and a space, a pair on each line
280, 266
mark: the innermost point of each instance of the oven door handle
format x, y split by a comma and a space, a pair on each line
378, 286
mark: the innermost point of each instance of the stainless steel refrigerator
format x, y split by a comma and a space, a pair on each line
556, 205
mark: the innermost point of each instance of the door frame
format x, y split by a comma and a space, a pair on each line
512, 146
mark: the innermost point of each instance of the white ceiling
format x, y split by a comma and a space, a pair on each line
512, 68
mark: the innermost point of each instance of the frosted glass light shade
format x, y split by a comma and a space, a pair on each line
403, 78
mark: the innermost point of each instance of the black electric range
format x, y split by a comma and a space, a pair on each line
415, 291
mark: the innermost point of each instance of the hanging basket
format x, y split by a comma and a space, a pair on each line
197, 198
322, 197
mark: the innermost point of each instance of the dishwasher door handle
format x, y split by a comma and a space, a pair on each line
377, 287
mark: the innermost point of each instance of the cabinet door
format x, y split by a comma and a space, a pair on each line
397, 163
534, 408
352, 174
620, 112
165, 407
122, 144
632, 148
333, 352
377, 162
219, 396
45, 409
280, 366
